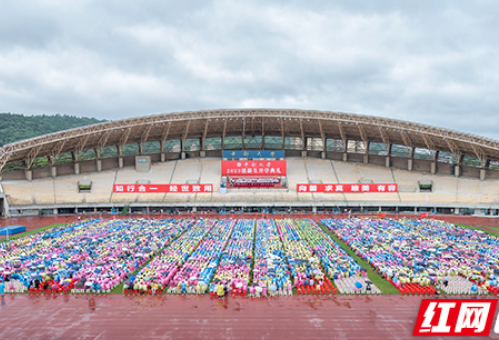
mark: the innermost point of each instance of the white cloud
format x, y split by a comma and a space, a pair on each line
432, 61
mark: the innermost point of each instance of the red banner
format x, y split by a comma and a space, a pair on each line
348, 188
161, 188
253, 168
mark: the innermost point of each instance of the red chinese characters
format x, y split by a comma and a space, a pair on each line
162, 188
254, 168
348, 188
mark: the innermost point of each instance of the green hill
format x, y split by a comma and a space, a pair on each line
16, 127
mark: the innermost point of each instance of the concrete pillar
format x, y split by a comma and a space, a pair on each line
457, 170
323, 154
29, 174
314, 210
433, 169
53, 171
345, 156
415, 210
477, 212
77, 168
410, 162
182, 155
95, 209
366, 158
98, 163
55, 211
304, 153
387, 161
202, 154
456, 211
120, 162
194, 209
163, 157
483, 174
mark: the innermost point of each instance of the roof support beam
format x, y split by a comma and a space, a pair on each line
4, 158
363, 134
384, 136
205, 132
164, 135
429, 144
32, 156
81, 145
479, 154
453, 148
304, 141
103, 140
223, 133
56, 151
263, 134
184, 136
323, 135
343, 135
283, 133
244, 132
407, 142
124, 138
186, 131
145, 135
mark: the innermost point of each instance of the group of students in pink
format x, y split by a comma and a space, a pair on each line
94, 255
157, 275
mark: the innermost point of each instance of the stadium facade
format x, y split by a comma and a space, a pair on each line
436, 169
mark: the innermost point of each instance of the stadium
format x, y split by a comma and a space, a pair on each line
436, 169
266, 203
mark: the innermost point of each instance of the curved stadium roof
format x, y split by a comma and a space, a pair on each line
251, 122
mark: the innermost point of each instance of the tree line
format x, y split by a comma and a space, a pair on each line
16, 127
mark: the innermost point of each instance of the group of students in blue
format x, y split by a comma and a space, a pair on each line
423, 252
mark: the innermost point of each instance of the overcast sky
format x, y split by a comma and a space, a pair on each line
435, 62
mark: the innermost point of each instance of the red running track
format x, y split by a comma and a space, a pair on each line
37, 316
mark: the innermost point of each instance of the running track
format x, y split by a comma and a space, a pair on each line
39, 316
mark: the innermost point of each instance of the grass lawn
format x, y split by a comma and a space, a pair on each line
29, 232
495, 228
493, 233
385, 286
